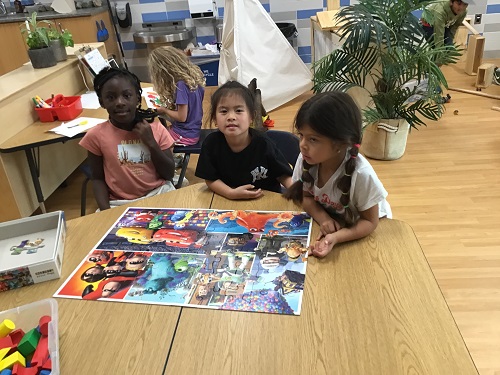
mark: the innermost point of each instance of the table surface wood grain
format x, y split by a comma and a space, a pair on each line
371, 307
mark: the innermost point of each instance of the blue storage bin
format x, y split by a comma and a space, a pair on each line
209, 67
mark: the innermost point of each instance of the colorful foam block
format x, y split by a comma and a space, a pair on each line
41, 353
6, 342
4, 352
11, 360
28, 343
21, 370
44, 324
43, 372
6, 326
6, 372
16, 336
47, 365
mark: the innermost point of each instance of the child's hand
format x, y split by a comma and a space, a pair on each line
144, 131
323, 246
327, 227
246, 192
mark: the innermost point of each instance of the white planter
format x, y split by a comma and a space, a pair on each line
385, 140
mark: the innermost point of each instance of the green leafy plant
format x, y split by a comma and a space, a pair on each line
36, 35
385, 53
63, 34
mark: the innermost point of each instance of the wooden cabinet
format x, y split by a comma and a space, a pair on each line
14, 53
84, 30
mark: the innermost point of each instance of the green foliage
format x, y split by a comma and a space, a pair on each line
36, 35
64, 35
384, 48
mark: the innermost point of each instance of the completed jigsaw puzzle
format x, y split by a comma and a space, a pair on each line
229, 260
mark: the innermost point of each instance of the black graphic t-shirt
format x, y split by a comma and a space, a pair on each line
259, 164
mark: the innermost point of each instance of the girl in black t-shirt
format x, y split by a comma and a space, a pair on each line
239, 162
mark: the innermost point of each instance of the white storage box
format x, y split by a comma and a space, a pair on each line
31, 250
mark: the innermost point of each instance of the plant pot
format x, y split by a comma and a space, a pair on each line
59, 49
42, 57
385, 140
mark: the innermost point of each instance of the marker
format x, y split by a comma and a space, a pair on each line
84, 122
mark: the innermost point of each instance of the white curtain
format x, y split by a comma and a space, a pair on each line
254, 47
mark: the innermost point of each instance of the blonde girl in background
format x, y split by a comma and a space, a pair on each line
335, 184
181, 86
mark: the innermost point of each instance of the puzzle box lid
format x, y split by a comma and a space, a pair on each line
31, 241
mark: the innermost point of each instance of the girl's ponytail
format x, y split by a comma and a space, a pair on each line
295, 192
344, 184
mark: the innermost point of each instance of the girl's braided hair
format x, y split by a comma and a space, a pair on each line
334, 115
108, 73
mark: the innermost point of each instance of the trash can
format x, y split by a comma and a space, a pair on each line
289, 31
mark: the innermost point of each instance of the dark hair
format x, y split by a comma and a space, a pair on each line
228, 88
108, 73
92, 278
334, 115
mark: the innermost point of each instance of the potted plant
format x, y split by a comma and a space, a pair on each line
39, 50
385, 55
59, 39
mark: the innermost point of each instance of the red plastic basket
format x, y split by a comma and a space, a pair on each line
65, 108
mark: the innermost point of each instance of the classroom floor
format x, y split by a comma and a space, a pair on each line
446, 187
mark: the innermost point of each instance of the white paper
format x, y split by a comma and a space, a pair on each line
151, 97
90, 100
76, 126
95, 60
63, 6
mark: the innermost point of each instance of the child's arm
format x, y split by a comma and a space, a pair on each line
365, 225
101, 192
163, 160
286, 181
241, 192
180, 114
317, 212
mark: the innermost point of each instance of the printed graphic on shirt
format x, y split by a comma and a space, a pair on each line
259, 173
327, 202
133, 152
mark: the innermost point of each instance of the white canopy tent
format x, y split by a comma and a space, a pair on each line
254, 47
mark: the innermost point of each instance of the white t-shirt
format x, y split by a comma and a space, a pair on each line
366, 188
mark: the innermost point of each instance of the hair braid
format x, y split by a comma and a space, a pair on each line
108, 73
296, 191
344, 184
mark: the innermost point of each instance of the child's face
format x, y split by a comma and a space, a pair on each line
232, 116
317, 148
120, 99
458, 7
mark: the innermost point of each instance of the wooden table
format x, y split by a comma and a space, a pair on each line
109, 338
371, 307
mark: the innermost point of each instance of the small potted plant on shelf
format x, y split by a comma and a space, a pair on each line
39, 50
59, 39
385, 55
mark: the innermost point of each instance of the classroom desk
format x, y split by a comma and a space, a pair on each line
109, 338
371, 307
36, 135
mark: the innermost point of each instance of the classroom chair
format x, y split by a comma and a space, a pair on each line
287, 143
187, 151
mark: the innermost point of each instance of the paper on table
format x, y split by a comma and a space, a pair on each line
151, 97
90, 100
76, 126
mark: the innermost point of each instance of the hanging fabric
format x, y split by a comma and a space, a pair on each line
254, 47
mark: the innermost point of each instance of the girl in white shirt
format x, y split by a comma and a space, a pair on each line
335, 184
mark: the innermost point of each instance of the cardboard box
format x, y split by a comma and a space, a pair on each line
27, 317
31, 250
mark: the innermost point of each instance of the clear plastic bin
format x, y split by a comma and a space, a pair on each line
27, 316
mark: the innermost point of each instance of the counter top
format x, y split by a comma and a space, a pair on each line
20, 17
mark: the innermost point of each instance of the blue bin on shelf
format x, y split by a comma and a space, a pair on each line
210, 68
